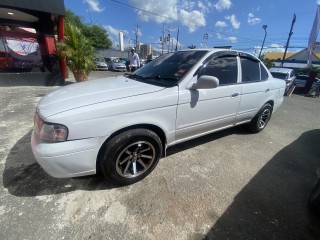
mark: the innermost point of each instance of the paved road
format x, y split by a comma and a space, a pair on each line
228, 185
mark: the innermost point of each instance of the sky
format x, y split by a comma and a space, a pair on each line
203, 23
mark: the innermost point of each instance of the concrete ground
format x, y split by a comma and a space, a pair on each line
227, 185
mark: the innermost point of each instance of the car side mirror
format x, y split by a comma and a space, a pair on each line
205, 82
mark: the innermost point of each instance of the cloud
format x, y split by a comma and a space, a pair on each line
192, 20
113, 32
223, 4
219, 36
318, 2
232, 39
272, 48
254, 20
222, 24
190, 14
233, 20
94, 5
229, 39
164, 11
277, 47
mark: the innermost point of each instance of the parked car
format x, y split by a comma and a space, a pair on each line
314, 200
147, 61
301, 81
115, 64
101, 64
286, 74
124, 125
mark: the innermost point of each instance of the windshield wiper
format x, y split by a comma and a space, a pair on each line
129, 75
165, 78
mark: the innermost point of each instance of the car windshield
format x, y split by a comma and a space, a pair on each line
279, 75
98, 59
168, 68
117, 60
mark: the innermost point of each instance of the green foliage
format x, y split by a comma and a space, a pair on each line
75, 20
269, 63
96, 34
77, 49
192, 47
312, 69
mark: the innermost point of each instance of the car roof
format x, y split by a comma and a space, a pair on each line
280, 70
213, 50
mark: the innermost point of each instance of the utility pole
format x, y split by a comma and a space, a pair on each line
162, 39
265, 35
169, 37
290, 33
205, 40
137, 31
177, 39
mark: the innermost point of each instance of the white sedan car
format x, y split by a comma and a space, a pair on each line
123, 125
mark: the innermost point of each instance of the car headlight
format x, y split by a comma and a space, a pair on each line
50, 132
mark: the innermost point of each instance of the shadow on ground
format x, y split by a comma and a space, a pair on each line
23, 176
273, 205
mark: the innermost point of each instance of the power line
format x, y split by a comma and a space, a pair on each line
142, 10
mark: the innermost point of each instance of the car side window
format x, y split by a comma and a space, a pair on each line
224, 68
250, 69
264, 74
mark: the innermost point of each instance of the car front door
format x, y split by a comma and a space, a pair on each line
201, 111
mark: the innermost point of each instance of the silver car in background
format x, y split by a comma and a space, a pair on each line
116, 64
286, 74
100, 64
123, 125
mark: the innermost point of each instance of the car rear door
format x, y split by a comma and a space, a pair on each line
256, 89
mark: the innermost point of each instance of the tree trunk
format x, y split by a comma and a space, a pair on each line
80, 75
312, 77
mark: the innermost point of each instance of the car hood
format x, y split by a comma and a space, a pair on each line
92, 92
101, 63
118, 64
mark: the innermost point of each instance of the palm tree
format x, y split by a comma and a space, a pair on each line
78, 51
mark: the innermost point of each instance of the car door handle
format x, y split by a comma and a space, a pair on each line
268, 90
235, 94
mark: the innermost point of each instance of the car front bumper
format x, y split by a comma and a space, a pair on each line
66, 159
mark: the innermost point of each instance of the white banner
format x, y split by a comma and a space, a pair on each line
313, 36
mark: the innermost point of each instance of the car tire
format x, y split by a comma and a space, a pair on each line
314, 200
131, 156
260, 121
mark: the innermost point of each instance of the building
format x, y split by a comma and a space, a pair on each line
293, 60
121, 45
276, 55
28, 52
145, 50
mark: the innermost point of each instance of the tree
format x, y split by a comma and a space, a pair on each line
192, 47
75, 20
313, 72
97, 35
269, 63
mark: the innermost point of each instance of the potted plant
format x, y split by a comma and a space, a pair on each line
78, 52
